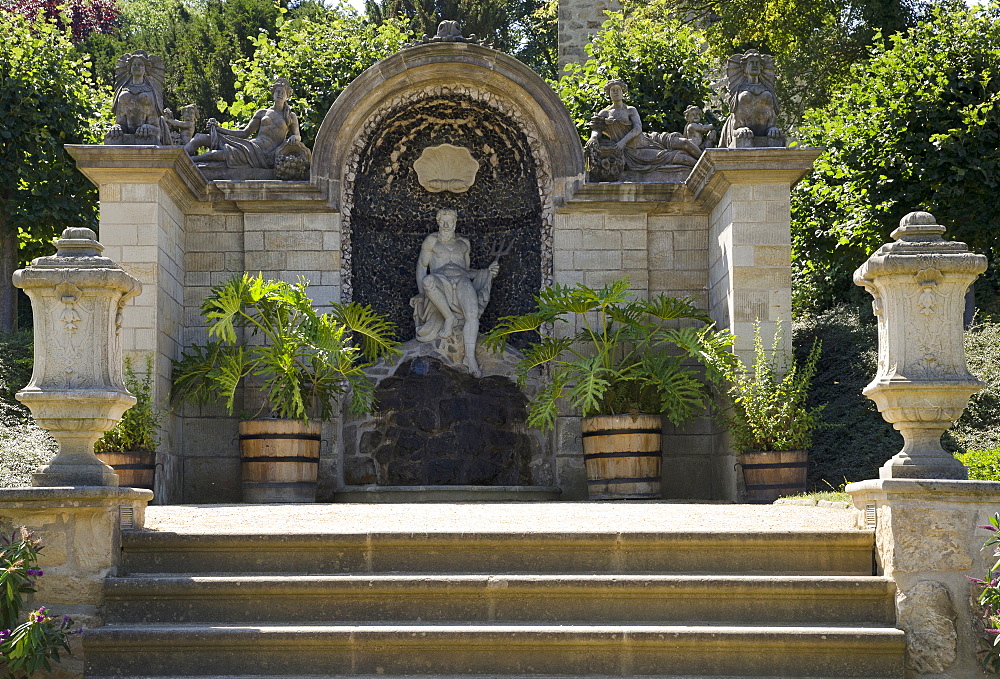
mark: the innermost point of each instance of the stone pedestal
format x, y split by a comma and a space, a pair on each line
923, 383
927, 541
76, 389
80, 531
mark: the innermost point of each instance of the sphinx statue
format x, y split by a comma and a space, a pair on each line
753, 120
138, 101
453, 295
269, 142
618, 146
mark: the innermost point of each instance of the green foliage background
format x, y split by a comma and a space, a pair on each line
660, 59
46, 100
917, 127
320, 56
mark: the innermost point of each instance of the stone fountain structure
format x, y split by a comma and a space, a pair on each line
446, 125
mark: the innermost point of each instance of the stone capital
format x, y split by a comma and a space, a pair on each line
718, 169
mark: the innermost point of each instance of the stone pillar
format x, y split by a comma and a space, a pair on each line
927, 541
145, 193
80, 531
76, 389
746, 193
923, 383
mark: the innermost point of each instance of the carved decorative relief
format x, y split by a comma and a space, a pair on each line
446, 168
926, 613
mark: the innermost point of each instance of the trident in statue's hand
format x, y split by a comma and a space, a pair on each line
498, 251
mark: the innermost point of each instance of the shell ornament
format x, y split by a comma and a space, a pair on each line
446, 168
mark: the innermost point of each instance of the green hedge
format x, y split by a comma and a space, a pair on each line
984, 465
853, 440
23, 445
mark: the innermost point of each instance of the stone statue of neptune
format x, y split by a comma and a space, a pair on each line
452, 294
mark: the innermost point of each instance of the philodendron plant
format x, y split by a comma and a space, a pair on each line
303, 359
621, 354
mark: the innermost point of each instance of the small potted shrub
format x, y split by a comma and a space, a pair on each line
302, 361
130, 448
623, 366
769, 420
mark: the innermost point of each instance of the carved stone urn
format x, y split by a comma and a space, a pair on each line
923, 383
77, 390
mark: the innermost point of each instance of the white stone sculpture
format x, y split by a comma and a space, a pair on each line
701, 134
446, 167
77, 390
753, 103
923, 383
617, 142
452, 294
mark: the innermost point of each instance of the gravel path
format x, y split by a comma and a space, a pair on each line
483, 517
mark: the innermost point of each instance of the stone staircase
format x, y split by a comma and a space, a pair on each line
482, 604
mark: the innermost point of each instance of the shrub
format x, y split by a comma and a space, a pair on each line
852, 440
983, 465
138, 427
27, 647
769, 409
23, 445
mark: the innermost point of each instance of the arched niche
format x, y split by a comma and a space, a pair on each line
464, 95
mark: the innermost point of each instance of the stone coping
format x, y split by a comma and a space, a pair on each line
717, 169
939, 490
71, 496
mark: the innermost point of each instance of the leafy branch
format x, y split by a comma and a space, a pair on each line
303, 359
622, 354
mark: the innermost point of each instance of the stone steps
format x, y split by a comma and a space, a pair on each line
500, 598
731, 552
480, 604
432, 650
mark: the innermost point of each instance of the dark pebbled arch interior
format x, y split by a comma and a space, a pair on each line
392, 213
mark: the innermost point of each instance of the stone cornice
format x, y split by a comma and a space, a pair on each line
940, 490
718, 169
168, 166
621, 194
171, 168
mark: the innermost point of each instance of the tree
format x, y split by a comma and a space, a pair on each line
814, 42
46, 101
659, 58
916, 128
198, 42
82, 17
320, 56
503, 24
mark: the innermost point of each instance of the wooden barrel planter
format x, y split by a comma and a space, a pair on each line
280, 460
622, 456
134, 468
773, 474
